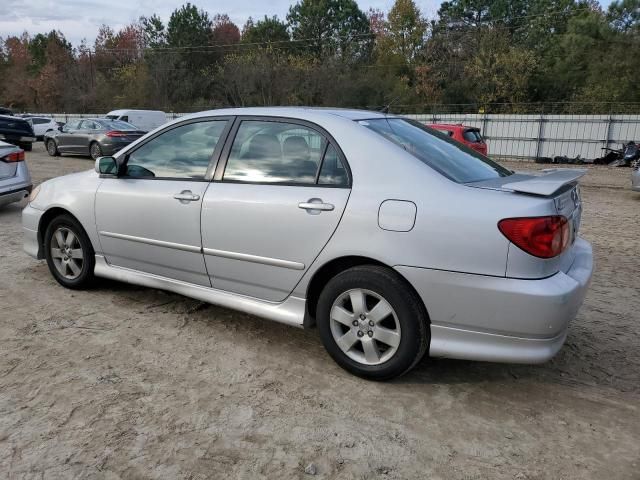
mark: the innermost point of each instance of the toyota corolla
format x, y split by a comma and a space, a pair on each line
390, 237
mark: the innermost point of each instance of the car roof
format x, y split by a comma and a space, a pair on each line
127, 110
13, 117
301, 113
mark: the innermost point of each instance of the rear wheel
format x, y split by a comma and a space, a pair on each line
69, 253
52, 148
372, 323
95, 150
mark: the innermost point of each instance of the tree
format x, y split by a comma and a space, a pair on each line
268, 30
406, 29
224, 31
330, 27
188, 27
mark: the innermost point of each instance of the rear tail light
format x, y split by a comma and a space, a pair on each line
114, 133
544, 237
14, 157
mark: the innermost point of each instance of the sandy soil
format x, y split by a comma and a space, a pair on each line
127, 382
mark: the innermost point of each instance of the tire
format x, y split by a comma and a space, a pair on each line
94, 150
78, 277
52, 148
406, 319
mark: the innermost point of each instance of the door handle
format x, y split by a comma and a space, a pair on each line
186, 196
316, 205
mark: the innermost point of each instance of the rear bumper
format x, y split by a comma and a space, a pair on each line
499, 319
16, 195
17, 138
111, 147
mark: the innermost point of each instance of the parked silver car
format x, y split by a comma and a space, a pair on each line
635, 177
91, 136
392, 238
15, 181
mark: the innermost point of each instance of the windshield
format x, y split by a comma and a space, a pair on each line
117, 125
448, 157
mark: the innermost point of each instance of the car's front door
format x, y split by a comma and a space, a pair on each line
278, 195
65, 139
148, 219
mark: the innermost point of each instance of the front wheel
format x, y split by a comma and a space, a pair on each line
372, 323
52, 148
69, 253
95, 150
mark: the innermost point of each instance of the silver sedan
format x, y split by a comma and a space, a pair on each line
391, 238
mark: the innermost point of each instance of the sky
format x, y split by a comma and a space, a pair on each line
80, 19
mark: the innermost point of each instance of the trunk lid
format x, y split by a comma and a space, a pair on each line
560, 187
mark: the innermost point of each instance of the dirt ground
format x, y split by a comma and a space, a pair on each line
129, 382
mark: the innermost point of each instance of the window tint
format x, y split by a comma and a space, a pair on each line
124, 118
333, 171
182, 152
274, 152
88, 125
452, 159
116, 125
472, 136
40, 121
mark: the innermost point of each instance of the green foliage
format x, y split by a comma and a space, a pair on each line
326, 28
268, 30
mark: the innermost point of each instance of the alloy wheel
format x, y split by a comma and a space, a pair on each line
66, 253
95, 151
365, 326
51, 147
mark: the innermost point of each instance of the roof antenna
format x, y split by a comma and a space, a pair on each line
386, 108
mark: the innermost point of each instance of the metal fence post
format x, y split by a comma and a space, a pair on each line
607, 138
540, 132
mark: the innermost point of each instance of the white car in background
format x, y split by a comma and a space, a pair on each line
41, 125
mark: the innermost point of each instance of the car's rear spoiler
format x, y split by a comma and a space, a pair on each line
548, 183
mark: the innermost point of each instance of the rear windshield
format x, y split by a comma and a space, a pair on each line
472, 135
448, 157
117, 125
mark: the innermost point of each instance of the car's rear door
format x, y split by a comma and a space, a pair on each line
148, 219
278, 195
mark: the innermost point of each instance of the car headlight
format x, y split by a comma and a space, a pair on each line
34, 193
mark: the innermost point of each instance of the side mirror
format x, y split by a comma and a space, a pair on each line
107, 166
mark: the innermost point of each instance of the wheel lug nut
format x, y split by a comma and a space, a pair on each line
360, 333
355, 323
362, 316
370, 333
371, 323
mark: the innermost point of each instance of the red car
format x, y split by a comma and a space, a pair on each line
470, 136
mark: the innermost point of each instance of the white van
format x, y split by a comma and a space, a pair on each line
145, 120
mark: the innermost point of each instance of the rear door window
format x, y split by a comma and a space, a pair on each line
472, 135
333, 171
275, 152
